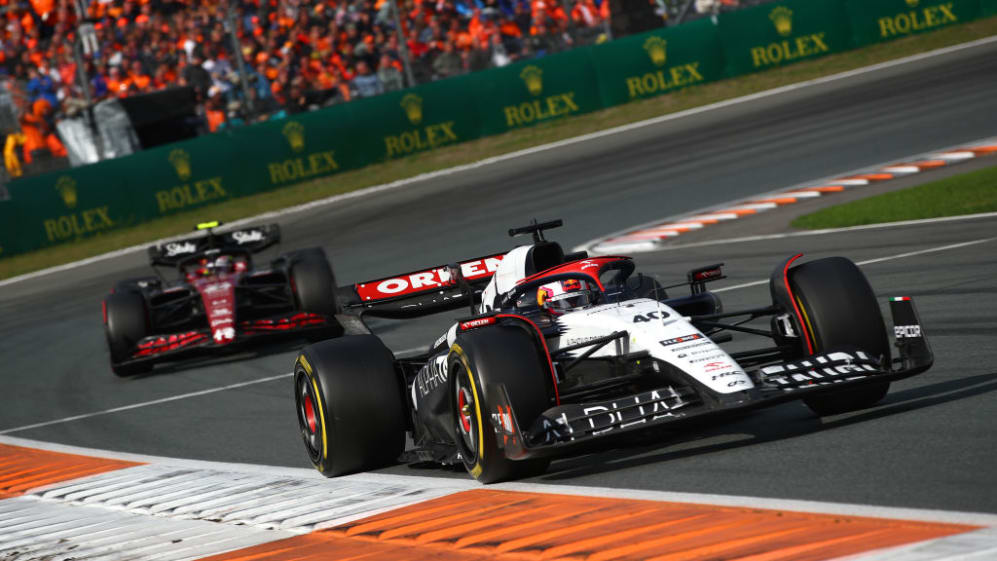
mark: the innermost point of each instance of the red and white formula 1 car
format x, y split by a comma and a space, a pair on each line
219, 300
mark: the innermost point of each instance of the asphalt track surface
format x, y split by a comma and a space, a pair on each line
928, 445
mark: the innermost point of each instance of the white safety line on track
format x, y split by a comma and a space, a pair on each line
871, 261
147, 403
525, 152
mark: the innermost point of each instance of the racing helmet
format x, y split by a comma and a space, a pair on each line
563, 296
223, 264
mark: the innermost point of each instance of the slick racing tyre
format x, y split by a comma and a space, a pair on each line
479, 360
314, 287
348, 398
137, 284
840, 312
127, 324
643, 286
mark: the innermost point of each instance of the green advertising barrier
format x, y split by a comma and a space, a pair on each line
60, 207
86, 201
423, 118
779, 33
536, 91
658, 62
304, 146
874, 21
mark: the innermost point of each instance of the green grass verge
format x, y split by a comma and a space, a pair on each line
969, 193
509, 142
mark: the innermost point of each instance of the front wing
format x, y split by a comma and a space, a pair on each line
573, 428
175, 346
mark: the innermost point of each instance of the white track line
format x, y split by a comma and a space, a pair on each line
526, 152
147, 403
870, 261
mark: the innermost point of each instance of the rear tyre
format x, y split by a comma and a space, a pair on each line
841, 313
127, 324
499, 355
137, 284
314, 287
643, 286
349, 402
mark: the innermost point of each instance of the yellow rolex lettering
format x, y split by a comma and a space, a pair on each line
633, 87
818, 40
512, 117
391, 144
759, 57
803, 46
539, 109
448, 131
202, 190
75, 225
886, 27
948, 16
693, 69
51, 230
163, 200
677, 79
569, 100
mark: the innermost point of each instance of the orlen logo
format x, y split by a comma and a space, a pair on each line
423, 280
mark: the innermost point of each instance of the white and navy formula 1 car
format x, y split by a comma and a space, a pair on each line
562, 353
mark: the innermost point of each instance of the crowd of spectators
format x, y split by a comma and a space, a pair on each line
297, 54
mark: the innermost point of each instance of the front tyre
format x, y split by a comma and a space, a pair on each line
314, 288
126, 325
840, 312
478, 362
349, 404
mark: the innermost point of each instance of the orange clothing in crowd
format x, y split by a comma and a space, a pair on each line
118, 87
140, 81
43, 7
215, 119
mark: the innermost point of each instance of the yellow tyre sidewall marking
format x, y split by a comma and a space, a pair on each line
808, 326
477, 469
318, 401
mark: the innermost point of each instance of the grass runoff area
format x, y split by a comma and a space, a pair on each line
968, 193
473, 151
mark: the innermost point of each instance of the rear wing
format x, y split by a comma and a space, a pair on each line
423, 292
251, 240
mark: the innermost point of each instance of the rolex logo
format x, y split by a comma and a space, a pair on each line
412, 104
782, 17
533, 77
66, 186
294, 132
180, 160
913, 3
655, 47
